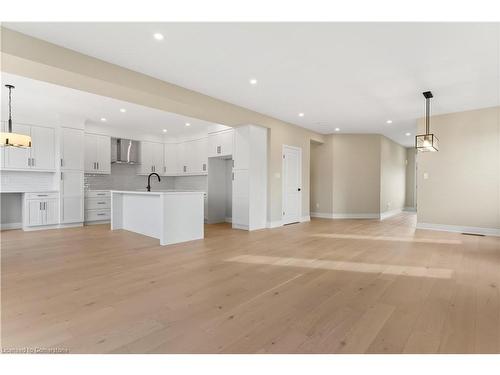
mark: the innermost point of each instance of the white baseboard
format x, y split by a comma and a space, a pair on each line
410, 209
304, 219
56, 226
274, 224
239, 226
459, 229
9, 226
344, 216
97, 222
228, 219
388, 214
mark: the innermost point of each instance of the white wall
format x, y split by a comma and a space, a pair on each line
410, 198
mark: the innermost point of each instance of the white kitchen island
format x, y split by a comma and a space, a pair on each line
170, 216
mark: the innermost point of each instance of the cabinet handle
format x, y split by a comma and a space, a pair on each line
29, 162
233, 176
164, 169
101, 202
61, 162
93, 166
233, 163
33, 162
100, 194
204, 167
42, 195
97, 165
101, 214
185, 169
45, 206
218, 149
40, 206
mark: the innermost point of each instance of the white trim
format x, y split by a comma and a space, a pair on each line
55, 226
239, 226
344, 216
410, 209
459, 229
9, 226
274, 224
283, 179
304, 219
97, 222
228, 219
388, 214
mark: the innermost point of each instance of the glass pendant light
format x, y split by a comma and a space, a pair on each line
427, 142
13, 139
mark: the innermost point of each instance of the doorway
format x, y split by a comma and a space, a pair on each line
292, 184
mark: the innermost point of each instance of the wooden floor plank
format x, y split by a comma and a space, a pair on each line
327, 286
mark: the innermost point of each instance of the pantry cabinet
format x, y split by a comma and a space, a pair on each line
97, 154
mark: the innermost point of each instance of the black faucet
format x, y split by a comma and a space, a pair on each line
149, 180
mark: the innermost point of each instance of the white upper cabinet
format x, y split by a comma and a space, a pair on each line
40, 157
152, 158
97, 154
220, 143
72, 144
192, 157
170, 161
43, 148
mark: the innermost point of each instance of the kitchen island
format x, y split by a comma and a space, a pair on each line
170, 216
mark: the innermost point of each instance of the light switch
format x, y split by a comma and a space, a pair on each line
426, 175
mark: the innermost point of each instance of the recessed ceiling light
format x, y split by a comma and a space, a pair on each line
158, 36
389, 122
123, 110
337, 129
164, 130
188, 124
252, 81
301, 114
407, 134
103, 119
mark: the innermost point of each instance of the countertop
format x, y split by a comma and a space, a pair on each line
158, 192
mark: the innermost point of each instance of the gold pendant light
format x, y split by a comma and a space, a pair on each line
13, 139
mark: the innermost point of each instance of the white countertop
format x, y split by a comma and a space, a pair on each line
157, 192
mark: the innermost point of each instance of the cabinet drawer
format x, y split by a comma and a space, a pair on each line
42, 195
95, 215
97, 203
98, 194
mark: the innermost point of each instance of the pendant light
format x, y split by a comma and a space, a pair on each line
427, 142
13, 139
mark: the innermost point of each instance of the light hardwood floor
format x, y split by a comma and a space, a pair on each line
328, 286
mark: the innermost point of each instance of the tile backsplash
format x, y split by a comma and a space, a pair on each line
124, 177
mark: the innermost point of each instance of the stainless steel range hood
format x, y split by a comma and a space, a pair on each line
124, 151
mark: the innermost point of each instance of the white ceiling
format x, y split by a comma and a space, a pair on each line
354, 76
44, 103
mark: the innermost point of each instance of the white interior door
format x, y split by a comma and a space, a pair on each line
292, 184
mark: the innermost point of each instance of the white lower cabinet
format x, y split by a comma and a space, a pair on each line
97, 206
40, 209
